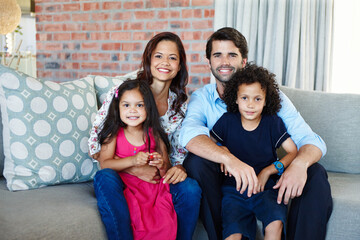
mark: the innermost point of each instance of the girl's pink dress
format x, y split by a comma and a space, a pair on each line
151, 208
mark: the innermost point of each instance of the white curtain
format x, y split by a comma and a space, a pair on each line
291, 38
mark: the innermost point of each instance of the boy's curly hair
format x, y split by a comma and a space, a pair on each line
252, 73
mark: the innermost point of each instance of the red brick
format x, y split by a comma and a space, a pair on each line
203, 24
206, 34
80, 17
100, 56
168, 14
179, 3
191, 13
52, 8
191, 35
111, 5
79, 36
144, 14
133, 26
134, 46
180, 24
112, 26
62, 18
53, 27
120, 36
80, 56
100, 36
110, 46
202, 2
90, 65
157, 25
110, 66
206, 80
142, 35
43, 18
72, 27
43, 37
199, 68
195, 57
133, 5
91, 27
100, 16
72, 7
72, 65
44, 74
209, 13
129, 67
53, 46
91, 6
62, 36
156, 3
90, 46
122, 16
199, 46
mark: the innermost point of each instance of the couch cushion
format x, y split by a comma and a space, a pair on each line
45, 130
336, 118
345, 218
57, 212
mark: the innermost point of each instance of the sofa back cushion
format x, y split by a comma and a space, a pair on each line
336, 118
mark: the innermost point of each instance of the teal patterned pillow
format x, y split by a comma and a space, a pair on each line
103, 84
45, 130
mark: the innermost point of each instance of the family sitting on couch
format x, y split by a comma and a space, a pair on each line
197, 181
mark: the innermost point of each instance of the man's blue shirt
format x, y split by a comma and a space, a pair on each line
206, 107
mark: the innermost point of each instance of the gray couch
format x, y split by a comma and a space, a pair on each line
69, 211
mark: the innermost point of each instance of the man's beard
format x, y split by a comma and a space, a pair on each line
221, 78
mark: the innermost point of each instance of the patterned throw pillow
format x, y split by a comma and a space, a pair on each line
103, 84
45, 130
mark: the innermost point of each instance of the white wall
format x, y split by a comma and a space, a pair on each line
346, 48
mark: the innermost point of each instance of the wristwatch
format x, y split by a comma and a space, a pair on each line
279, 166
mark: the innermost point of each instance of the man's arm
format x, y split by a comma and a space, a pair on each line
244, 175
311, 149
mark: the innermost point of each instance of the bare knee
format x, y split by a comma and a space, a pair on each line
235, 236
273, 230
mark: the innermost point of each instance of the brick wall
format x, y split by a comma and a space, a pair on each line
77, 38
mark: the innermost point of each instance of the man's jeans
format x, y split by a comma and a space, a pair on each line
115, 212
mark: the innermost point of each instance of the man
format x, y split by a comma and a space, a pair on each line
304, 181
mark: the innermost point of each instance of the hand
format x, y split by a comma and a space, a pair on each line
263, 177
244, 175
146, 173
175, 175
140, 159
291, 182
224, 170
156, 160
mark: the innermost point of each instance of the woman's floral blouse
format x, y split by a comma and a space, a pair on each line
171, 126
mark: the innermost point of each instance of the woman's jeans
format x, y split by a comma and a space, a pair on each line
115, 212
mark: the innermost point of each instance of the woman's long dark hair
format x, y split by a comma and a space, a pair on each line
178, 84
113, 123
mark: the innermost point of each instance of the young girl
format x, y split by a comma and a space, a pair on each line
132, 136
252, 131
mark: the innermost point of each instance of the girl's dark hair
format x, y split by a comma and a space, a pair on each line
230, 34
113, 123
251, 73
178, 84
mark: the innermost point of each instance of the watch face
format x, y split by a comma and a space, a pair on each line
279, 165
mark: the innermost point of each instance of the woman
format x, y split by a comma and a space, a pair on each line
164, 68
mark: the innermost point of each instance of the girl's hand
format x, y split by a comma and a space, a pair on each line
263, 177
175, 175
156, 160
140, 159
